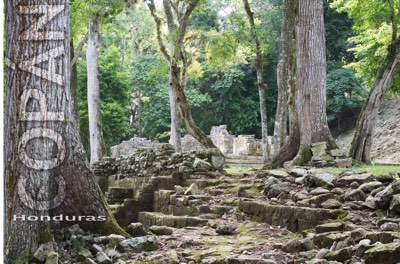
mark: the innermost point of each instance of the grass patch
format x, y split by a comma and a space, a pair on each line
374, 169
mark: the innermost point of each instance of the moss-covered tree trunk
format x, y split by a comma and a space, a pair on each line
47, 173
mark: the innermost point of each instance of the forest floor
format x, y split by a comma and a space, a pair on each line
386, 142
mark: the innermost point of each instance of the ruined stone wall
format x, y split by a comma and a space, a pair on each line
246, 145
127, 147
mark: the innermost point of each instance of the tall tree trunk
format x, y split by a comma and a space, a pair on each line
362, 141
47, 173
260, 82
93, 92
192, 128
289, 149
311, 79
175, 137
283, 75
139, 114
74, 89
121, 67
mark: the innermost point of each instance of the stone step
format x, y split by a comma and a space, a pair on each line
242, 157
118, 194
153, 218
239, 161
294, 218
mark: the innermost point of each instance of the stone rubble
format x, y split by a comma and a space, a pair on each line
294, 215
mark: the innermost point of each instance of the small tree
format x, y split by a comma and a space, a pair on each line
177, 14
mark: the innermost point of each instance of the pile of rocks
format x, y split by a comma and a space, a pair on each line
146, 162
321, 157
366, 208
74, 245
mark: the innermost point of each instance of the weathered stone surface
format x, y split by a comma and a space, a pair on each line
52, 258
320, 199
102, 258
294, 218
192, 190
84, 254
326, 240
321, 179
113, 240
359, 178
298, 172
395, 204
382, 199
355, 195
298, 245
340, 255
278, 173
137, 244
161, 230
389, 226
383, 254
149, 219
135, 229
225, 229
331, 204
329, 227
369, 186
43, 251
202, 164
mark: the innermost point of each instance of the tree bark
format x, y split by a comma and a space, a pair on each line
362, 141
93, 92
311, 79
260, 82
74, 89
175, 137
289, 149
139, 114
47, 173
281, 116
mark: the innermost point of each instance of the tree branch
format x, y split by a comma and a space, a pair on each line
78, 50
157, 20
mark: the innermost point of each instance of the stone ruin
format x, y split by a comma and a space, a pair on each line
127, 147
242, 145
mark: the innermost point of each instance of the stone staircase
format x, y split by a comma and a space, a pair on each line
270, 217
244, 161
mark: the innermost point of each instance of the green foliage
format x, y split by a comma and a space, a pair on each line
374, 31
114, 94
345, 93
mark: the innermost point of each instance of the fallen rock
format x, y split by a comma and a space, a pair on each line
137, 244
383, 254
395, 204
161, 230
298, 172
280, 174
321, 179
226, 229
340, 255
382, 199
102, 258
192, 190
359, 178
52, 258
298, 245
355, 195
83, 254
113, 240
370, 186
202, 164
135, 229
331, 204
329, 227
389, 227
43, 251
